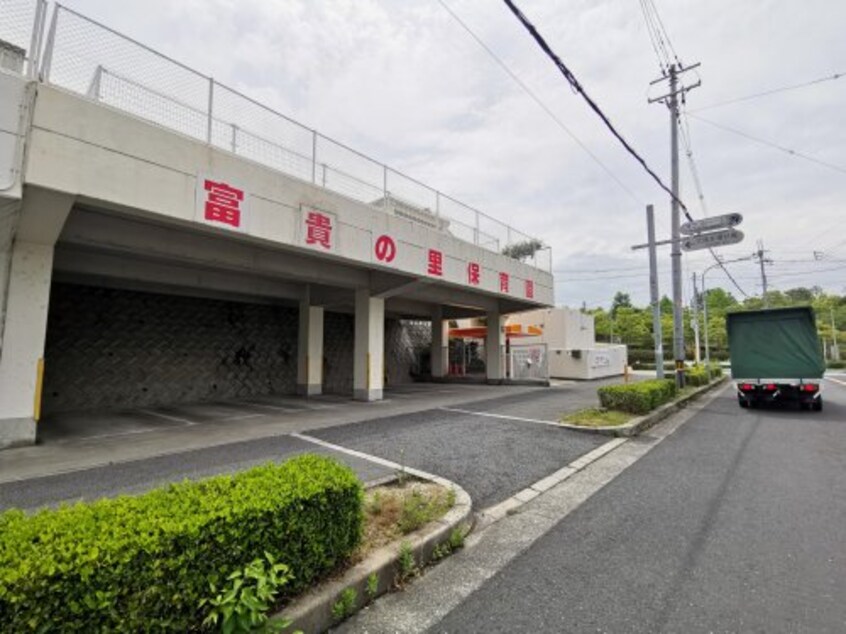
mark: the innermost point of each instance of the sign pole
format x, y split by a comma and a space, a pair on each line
653, 293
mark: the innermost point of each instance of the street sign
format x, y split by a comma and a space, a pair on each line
712, 239
710, 224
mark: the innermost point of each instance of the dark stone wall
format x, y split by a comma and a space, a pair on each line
109, 348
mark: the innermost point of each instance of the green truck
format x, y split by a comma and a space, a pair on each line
776, 357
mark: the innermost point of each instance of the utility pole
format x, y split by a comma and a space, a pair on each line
671, 100
835, 350
762, 261
653, 293
694, 318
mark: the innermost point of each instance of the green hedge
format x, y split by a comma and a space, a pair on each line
697, 375
637, 398
144, 563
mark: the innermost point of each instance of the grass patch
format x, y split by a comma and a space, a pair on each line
597, 417
392, 511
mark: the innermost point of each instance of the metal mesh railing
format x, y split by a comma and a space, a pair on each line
91, 59
21, 24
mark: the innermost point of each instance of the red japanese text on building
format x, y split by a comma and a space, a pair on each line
473, 273
385, 249
503, 282
319, 229
222, 203
530, 289
436, 263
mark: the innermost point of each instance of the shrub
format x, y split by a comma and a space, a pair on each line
145, 563
837, 365
637, 398
243, 603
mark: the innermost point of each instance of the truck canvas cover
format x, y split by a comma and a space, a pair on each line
776, 343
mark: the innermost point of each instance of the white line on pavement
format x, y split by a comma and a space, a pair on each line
836, 380
175, 419
502, 416
376, 459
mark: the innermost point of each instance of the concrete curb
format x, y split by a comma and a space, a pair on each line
312, 612
642, 423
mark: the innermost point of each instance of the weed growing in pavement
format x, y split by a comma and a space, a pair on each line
344, 607
407, 563
372, 586
456, 538
440, 551
450, 499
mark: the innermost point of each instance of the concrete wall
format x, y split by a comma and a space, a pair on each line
109, 348
116, 160
589, 363
564, 328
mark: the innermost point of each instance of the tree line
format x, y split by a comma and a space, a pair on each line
632, 325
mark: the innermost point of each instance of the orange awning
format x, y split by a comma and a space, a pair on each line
480, 332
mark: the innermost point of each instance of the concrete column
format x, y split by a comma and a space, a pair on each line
495, 348
440, 344
369, 351
310, 349
21, 363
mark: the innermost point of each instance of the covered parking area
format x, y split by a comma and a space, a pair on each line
147, 269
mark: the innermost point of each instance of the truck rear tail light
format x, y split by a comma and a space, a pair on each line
746, 387
770, 387
810, 387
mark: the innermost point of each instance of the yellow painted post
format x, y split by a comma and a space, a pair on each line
39, 382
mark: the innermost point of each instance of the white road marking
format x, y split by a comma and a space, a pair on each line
501, 416
836, 380
174, 419
244, 417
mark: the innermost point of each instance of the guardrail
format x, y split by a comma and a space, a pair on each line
89, 58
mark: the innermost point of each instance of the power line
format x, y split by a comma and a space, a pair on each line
568, 75
768, 143
766, 93
537, 100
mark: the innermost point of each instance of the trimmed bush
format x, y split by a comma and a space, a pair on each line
637, 398
145, 563
697, 375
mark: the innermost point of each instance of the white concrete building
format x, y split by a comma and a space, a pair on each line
572, 350
160, 232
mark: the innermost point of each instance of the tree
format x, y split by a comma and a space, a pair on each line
621, 300
666, 305
523, 250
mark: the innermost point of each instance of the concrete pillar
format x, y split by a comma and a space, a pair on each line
21, 363
440, 344
310, 349
369, 350
495, 348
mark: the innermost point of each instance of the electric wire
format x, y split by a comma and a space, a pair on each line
516, 78
769, 143
773, 91
571, 79
657, 32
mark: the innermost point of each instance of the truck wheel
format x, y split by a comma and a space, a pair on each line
743, 403
817, 406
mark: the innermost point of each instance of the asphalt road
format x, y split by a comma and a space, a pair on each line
492, 458
736, 523
141, 475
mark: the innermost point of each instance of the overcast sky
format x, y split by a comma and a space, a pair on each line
401, 81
